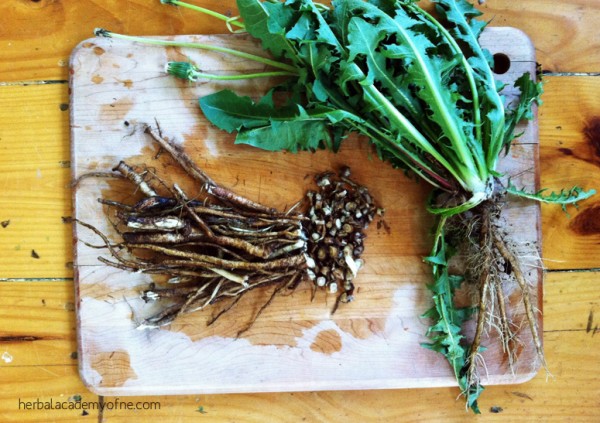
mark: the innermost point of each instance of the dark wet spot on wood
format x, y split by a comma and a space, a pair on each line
559, 127
587, 222
34, 254
69, 265
69, 306
63, 107
566, 151
43, 302
592, 135
65, 163
74, 355
5, 223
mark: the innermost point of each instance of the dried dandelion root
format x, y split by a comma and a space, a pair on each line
219, 245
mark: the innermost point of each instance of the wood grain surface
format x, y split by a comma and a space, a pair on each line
37, 38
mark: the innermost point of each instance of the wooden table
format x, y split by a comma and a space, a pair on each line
37, 319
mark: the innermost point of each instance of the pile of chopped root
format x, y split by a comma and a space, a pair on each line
217, 246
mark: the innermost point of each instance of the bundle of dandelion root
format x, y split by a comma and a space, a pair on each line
220, 245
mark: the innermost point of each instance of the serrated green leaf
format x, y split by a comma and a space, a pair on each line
291, 135
256, 15
530, 93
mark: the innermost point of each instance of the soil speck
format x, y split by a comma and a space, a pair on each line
5, 223
34, 254
97, 79
63, 107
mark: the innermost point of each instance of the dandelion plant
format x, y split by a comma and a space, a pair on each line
421, 89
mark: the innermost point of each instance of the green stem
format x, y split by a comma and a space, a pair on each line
454, 134
470, 77
417, 137
104, 33
191, 73
572, 196
495, 133
412, 161
476, 199
227, 19
242, 76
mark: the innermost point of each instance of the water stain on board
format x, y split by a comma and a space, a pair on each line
327, 342
116, 110
276, 326
362, 328
114, 368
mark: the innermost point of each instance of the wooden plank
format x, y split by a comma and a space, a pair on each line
34, 173
570, 155
572, 303
38, 36
37, 324
292, 347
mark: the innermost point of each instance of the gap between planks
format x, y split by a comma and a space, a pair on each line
34, 82
36, 280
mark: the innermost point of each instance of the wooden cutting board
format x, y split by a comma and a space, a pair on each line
296, 344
